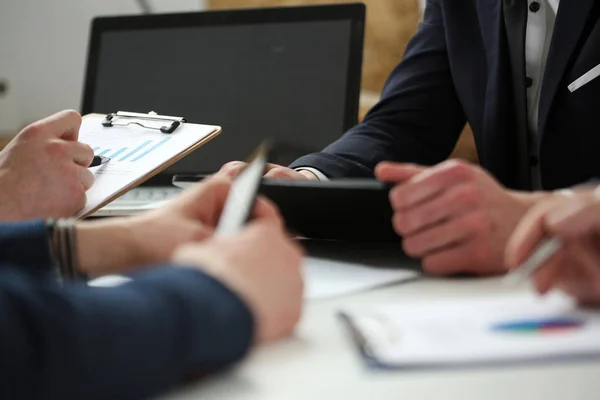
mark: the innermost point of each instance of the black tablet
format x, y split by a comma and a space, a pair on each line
345, 209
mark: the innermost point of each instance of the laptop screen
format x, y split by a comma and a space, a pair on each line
289, 81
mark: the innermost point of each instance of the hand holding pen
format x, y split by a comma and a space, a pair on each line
557, 245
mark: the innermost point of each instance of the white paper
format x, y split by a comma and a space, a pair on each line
462, 332
134, 152
326, 278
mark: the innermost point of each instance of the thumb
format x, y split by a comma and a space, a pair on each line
397, 172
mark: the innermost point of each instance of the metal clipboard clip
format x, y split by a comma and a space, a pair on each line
123, 118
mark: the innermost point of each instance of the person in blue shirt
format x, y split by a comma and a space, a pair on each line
197, 303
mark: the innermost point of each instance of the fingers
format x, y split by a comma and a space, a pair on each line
277, 172
459, 258
578, 217
431, 182
527, 235
86, 177
455, 201
547, 276
64, 125
81, 153
232, 169
266, 209
447, 234
587, 254
205, 202
396, 172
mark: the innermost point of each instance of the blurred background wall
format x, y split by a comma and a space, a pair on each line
43, 46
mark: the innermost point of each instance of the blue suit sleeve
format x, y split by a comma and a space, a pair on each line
129, 342
17, 239
418, 119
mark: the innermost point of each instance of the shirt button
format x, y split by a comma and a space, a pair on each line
534, 161
534, 7
528, 82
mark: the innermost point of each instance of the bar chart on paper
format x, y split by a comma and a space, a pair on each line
132, 153
136, 154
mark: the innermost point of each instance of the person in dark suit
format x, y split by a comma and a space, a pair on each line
196, 305
526, 76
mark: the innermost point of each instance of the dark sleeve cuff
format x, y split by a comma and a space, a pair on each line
334, 167
26, 245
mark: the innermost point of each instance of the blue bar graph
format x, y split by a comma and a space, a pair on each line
116, 153
103, 153
140, 147
151, 149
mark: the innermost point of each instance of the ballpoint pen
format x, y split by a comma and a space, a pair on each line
99, 160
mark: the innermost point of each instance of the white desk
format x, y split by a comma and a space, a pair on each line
321, 362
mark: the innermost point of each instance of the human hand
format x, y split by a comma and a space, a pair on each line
575, 268
117, 245
273, 171
262, 266
454, 215
43, 170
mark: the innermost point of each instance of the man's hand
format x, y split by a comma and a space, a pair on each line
274, 171
262, 266
43, 171
575, 268
454, 216
117, 245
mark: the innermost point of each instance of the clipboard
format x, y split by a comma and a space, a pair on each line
139, 146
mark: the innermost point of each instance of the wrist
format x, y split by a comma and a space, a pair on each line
106, 247
309, 175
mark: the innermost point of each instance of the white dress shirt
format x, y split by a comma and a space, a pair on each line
540, 26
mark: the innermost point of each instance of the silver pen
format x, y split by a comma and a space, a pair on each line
540, 256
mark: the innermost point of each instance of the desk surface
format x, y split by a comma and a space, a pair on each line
320, 362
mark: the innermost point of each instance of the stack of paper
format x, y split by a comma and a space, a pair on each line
502, 329
324, 278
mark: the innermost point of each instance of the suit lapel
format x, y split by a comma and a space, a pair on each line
569, 26
500, 134
515, 20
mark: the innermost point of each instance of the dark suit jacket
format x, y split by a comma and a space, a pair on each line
464, 65
128, 342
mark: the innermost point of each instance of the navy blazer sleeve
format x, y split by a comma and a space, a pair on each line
418, 119
129, 342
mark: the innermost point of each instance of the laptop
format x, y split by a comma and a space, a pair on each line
289, 74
